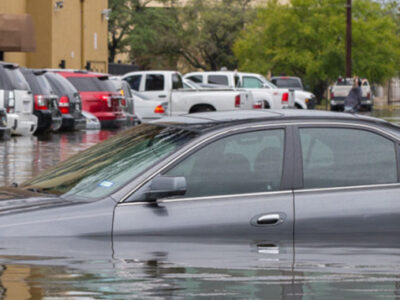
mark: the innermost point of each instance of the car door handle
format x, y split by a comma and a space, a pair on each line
270, 219
162, 96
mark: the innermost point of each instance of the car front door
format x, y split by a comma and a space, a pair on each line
350, 181
237, 185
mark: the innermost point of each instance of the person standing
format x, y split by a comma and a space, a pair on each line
352, 102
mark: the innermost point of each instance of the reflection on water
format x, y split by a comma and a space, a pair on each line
182, 269
312, 268
24, 157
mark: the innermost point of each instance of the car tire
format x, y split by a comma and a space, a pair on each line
201, 108
266, 104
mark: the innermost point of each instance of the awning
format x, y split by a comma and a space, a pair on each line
17, 33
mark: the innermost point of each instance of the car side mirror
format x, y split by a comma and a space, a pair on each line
165, 186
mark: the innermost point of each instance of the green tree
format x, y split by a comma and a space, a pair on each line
211, 28
201, 34
121, 22
156, 38
306, 38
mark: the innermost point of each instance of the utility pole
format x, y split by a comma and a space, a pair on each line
348, 40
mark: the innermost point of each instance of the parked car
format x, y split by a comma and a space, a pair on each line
45, 106
341, 89
288, 82
147, 109
92, 123
265, 94
167, 86
69, 102
18, 100
253, 174
99, 97
128, 104
5, 132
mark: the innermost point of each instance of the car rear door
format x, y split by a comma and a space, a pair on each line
238, 184
155, 86
349, 180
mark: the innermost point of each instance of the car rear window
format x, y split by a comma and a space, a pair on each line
38, 83
4, 83
218, 79
17, 80
287, 82
60, 85
92, 84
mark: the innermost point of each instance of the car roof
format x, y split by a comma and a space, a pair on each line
81, 74
285, 77
222, 73
150, 72
211, 120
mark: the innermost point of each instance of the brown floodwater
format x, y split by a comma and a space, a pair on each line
160, 268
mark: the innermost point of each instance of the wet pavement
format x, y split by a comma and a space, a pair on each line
356, 267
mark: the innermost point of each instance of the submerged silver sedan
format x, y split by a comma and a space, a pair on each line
256, 174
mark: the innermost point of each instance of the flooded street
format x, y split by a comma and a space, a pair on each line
308, 267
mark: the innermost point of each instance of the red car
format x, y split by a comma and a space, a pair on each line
99, 97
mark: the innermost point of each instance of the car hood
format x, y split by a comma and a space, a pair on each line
304, 94
14, 200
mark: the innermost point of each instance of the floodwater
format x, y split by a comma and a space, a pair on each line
332, 267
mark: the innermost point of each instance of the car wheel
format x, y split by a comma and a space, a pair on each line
201, 108
297, 106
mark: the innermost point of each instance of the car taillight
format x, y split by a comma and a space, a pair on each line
11, 102
159, 109
369, 96
123, 101
106, 98
237, 101
285, 97
63, 104
332, 95
258, 105
41, 103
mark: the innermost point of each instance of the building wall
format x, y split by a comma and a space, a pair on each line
14, 7
95, 47
41, 12
75, 33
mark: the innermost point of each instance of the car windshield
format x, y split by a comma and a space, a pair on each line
269, 83
106, 167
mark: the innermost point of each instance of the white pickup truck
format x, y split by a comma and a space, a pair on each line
167, 86
341, 89
264, 92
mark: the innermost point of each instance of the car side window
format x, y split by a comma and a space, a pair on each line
242, 163
335, 157
134, 81
252, 82
154, 82
218, 79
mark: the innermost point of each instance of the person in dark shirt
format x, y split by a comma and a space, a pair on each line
353, 100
